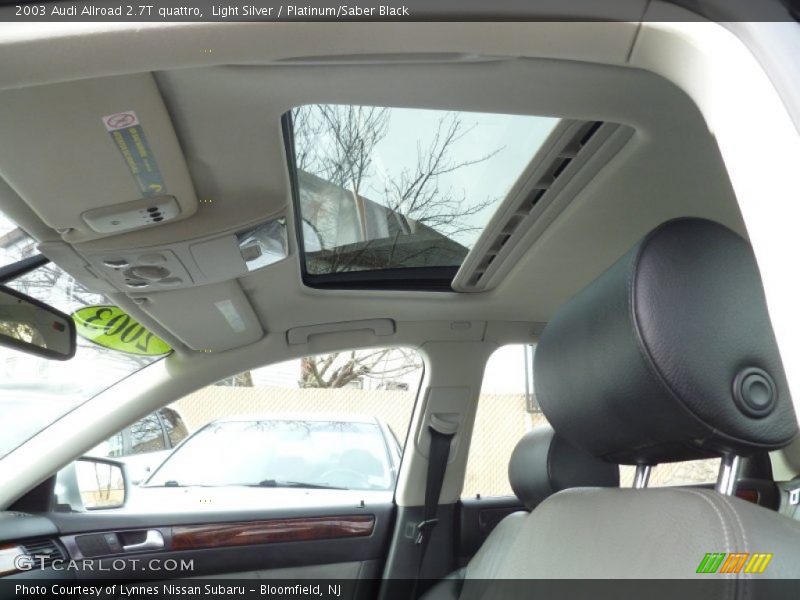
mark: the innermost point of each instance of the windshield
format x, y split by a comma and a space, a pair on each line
275, 453
35, 391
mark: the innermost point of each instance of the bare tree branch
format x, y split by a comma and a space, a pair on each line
386, 363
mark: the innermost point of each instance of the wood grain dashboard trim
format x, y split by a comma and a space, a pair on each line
247, 533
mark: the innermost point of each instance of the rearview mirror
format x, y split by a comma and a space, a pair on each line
33, 327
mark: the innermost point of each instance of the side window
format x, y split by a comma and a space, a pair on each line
319, 422
113, 447
147, 435
507, 409
326, 428
116, 447
690, 472
174, 426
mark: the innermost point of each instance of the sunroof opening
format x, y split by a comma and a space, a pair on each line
396, 197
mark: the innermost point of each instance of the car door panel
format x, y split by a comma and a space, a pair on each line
336, 542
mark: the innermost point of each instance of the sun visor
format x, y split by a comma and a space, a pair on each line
208, 318
95, 158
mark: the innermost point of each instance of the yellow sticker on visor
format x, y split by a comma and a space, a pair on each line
113, 328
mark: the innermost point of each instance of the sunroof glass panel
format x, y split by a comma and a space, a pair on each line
384, 189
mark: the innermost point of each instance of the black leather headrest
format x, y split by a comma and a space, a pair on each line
669, 355
544, 463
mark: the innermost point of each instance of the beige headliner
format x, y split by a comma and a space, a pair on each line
226, 117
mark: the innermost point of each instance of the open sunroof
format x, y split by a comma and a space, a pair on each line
394, 198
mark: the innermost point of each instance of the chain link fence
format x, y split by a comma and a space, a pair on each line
502, 419
499, 424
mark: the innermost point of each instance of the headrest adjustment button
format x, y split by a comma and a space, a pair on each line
754, 392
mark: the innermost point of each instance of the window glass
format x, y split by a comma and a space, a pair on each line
35, 391
681, 473
147, 435
15, 244
397, 188
507, 409
116, 445
176, 429
318, 429
113, 447
263, 451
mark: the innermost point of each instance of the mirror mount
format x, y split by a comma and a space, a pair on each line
22, 267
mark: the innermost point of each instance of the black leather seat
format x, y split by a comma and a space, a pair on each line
667, 356
544, 463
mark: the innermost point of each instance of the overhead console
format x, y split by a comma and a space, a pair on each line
179, 265
164, 280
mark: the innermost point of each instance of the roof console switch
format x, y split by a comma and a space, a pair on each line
132, 215
150, 273
116, 263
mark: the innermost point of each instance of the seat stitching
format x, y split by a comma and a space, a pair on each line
738, 520
744, 576
716, 510
708, 501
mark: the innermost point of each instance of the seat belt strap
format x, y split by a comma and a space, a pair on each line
442, 434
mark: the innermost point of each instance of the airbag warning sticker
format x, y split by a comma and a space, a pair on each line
128, 136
